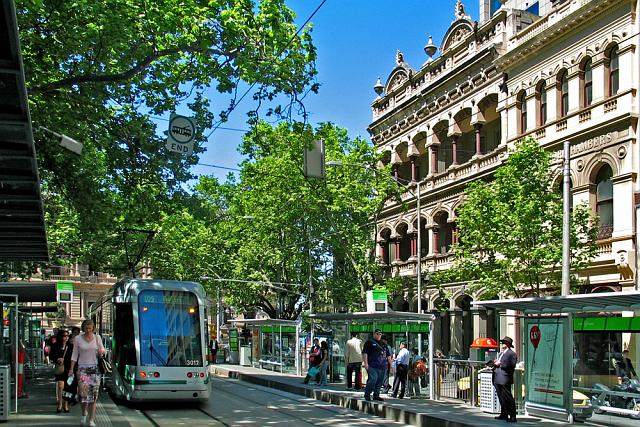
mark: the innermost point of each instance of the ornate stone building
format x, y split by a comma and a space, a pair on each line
555, 70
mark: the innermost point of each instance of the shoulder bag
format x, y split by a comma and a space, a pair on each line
59, 368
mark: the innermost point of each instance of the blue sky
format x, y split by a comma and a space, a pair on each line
357, 42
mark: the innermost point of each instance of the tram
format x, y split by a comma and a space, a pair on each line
156, 332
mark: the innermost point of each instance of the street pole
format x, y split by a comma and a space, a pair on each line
218, 314
566, 222
419, 267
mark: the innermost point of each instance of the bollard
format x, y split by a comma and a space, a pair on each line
473, 386
20, 372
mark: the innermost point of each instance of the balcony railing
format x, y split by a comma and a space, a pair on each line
605, 231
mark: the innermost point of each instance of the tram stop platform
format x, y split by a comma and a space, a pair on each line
419, 412
39, 408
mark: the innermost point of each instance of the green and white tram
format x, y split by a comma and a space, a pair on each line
156, 331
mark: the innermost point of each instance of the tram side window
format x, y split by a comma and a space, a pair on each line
594, 353
124, 345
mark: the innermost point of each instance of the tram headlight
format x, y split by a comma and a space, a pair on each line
192, 310
145, 309
143, 374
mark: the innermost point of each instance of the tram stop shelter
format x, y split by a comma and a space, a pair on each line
570, 344
267, 343
413, 328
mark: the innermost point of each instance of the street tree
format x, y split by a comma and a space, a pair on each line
280, 227
104, 72
510, 229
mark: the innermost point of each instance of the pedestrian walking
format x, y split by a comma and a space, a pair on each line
353, 359
61, 357
401, 362
375, 359
503, 368
323, 365
314, 361
88, 347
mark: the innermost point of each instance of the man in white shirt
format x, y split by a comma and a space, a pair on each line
401, 362
353, 359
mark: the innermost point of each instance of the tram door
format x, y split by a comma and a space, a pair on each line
124, 348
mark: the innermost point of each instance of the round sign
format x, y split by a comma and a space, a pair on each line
534, 336
182, 129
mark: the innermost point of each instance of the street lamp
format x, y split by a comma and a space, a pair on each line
417, 195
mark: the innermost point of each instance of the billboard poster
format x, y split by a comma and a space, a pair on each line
545, 362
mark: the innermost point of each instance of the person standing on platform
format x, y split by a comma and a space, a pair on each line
353, 359
375, 359
323, 365
213, 348
503, 368
401, 362
314, 361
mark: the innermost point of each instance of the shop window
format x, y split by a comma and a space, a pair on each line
604, 202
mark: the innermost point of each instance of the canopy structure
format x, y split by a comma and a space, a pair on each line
365, 316
581, 303
22, 228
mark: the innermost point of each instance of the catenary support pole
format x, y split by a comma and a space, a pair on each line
566, 220
419, 266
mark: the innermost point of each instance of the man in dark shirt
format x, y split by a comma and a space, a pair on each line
375, 359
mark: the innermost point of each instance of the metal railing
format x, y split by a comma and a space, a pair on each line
457, 379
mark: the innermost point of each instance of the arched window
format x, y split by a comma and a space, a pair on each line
563, 93
613, 71
587, 83
522, 107
542, 103
604, 202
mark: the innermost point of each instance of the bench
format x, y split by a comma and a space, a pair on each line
270, 363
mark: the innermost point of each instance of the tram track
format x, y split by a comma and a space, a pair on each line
338, 413
234, 403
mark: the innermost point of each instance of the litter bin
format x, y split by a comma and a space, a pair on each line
245, 355
488, 398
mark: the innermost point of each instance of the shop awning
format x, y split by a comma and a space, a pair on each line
398, 316
581, 303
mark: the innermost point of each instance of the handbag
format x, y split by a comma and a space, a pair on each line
313, 371
104, 366
59, 367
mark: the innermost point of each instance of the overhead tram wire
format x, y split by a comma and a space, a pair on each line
235, 104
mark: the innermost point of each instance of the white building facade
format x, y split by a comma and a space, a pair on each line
554, 70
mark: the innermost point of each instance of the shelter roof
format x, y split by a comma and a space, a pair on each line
29, 292
22, 229
258, 322
365, 316
581, 303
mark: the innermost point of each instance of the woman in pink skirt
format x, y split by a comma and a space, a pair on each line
86, 350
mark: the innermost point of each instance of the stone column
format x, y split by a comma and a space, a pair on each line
433, 150
414, 244
478, 128
454, 145
435, 240
382, 251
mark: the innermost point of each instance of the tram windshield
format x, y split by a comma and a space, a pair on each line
170, 332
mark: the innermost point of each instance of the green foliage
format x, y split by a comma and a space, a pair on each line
510, 229
276, 227
98, 70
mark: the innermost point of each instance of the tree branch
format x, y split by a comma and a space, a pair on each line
126, 75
